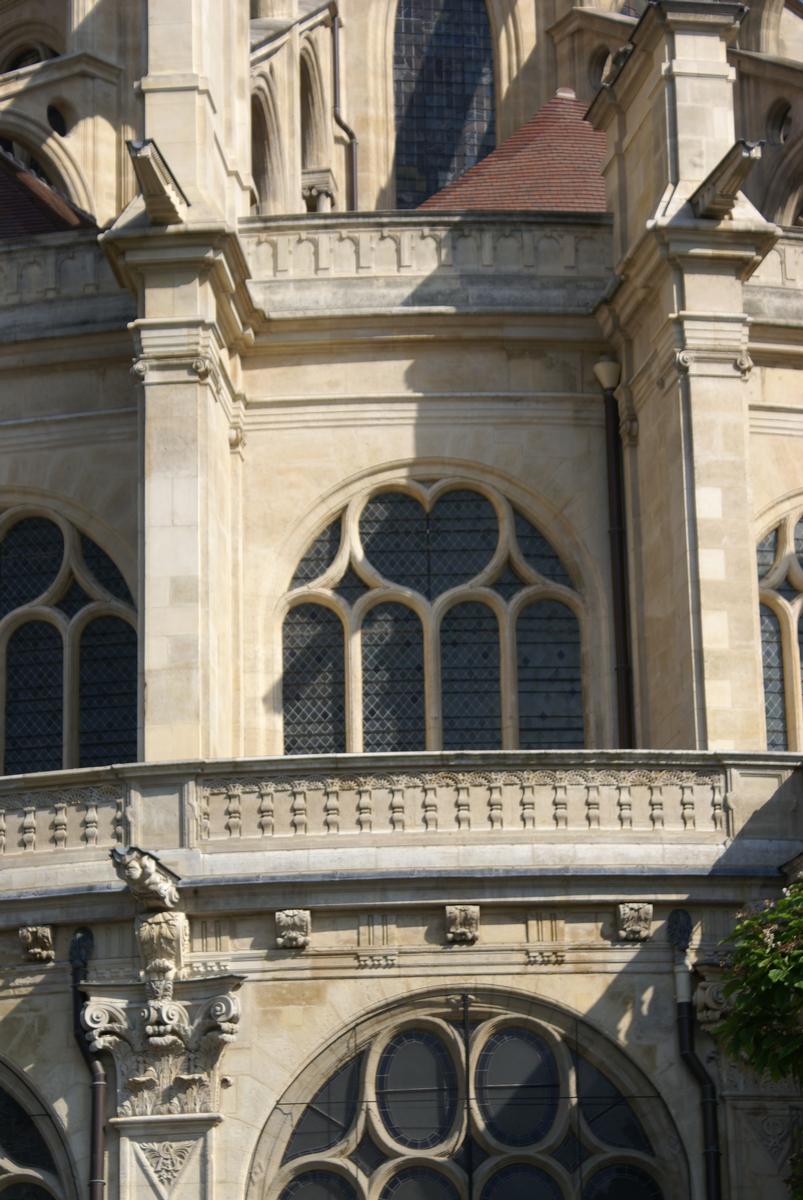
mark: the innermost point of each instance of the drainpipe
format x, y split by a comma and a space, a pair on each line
679, 928
81, 947
337, 114
607, 373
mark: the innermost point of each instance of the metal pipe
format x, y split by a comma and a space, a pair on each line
619, 582
708, 1100
465, 998
338, 116
81, 948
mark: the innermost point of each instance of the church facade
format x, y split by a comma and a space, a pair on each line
401, 567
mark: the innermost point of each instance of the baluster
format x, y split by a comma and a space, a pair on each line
234, 814
560, 806
397, 807
463, 806
717, 805
527, 804
687, 805
2, 831
657, 805
60, 826
592, 805
90, 824
430, 806
365, 808
266, 813
625, 805
118, 824
28, 830
298, 811
331, 808
495, 812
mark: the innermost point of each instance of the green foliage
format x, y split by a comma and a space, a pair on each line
764, 987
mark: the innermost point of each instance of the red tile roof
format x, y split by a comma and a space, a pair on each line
552, 164
29, 206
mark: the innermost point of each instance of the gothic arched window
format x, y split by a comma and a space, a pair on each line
29, 1167
446, 619
68, 649
444, 93
480, 1101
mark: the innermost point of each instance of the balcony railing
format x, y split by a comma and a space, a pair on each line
604, 809
357, 262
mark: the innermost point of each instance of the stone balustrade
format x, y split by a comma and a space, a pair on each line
355, 263
773, 292
503, 807
58, 281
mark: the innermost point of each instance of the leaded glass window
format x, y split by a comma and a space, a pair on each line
532, 1117
444, 94
393, 679
68, 652
313, 681
779, 556
422, 584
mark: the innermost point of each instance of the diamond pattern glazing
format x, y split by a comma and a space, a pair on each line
470, 692
772, 661
444, 93
34, 699
313, 682
320, 555
550, 680
107, 693
30, 558
393, 680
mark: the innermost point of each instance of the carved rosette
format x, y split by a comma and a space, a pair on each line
293, 928
166, 1053
462, 924
634, 921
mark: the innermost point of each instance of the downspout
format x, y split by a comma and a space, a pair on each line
607, 373
679, 933
338, 116
81, 948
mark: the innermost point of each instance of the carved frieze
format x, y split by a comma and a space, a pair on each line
293, 928
462, 924
37, 943
634, 921
546, 958
151, 884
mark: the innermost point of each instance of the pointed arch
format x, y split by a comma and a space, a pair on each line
40, 1156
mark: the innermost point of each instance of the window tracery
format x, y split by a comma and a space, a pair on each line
431, 615
444, 92
68, 648
500, 1106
